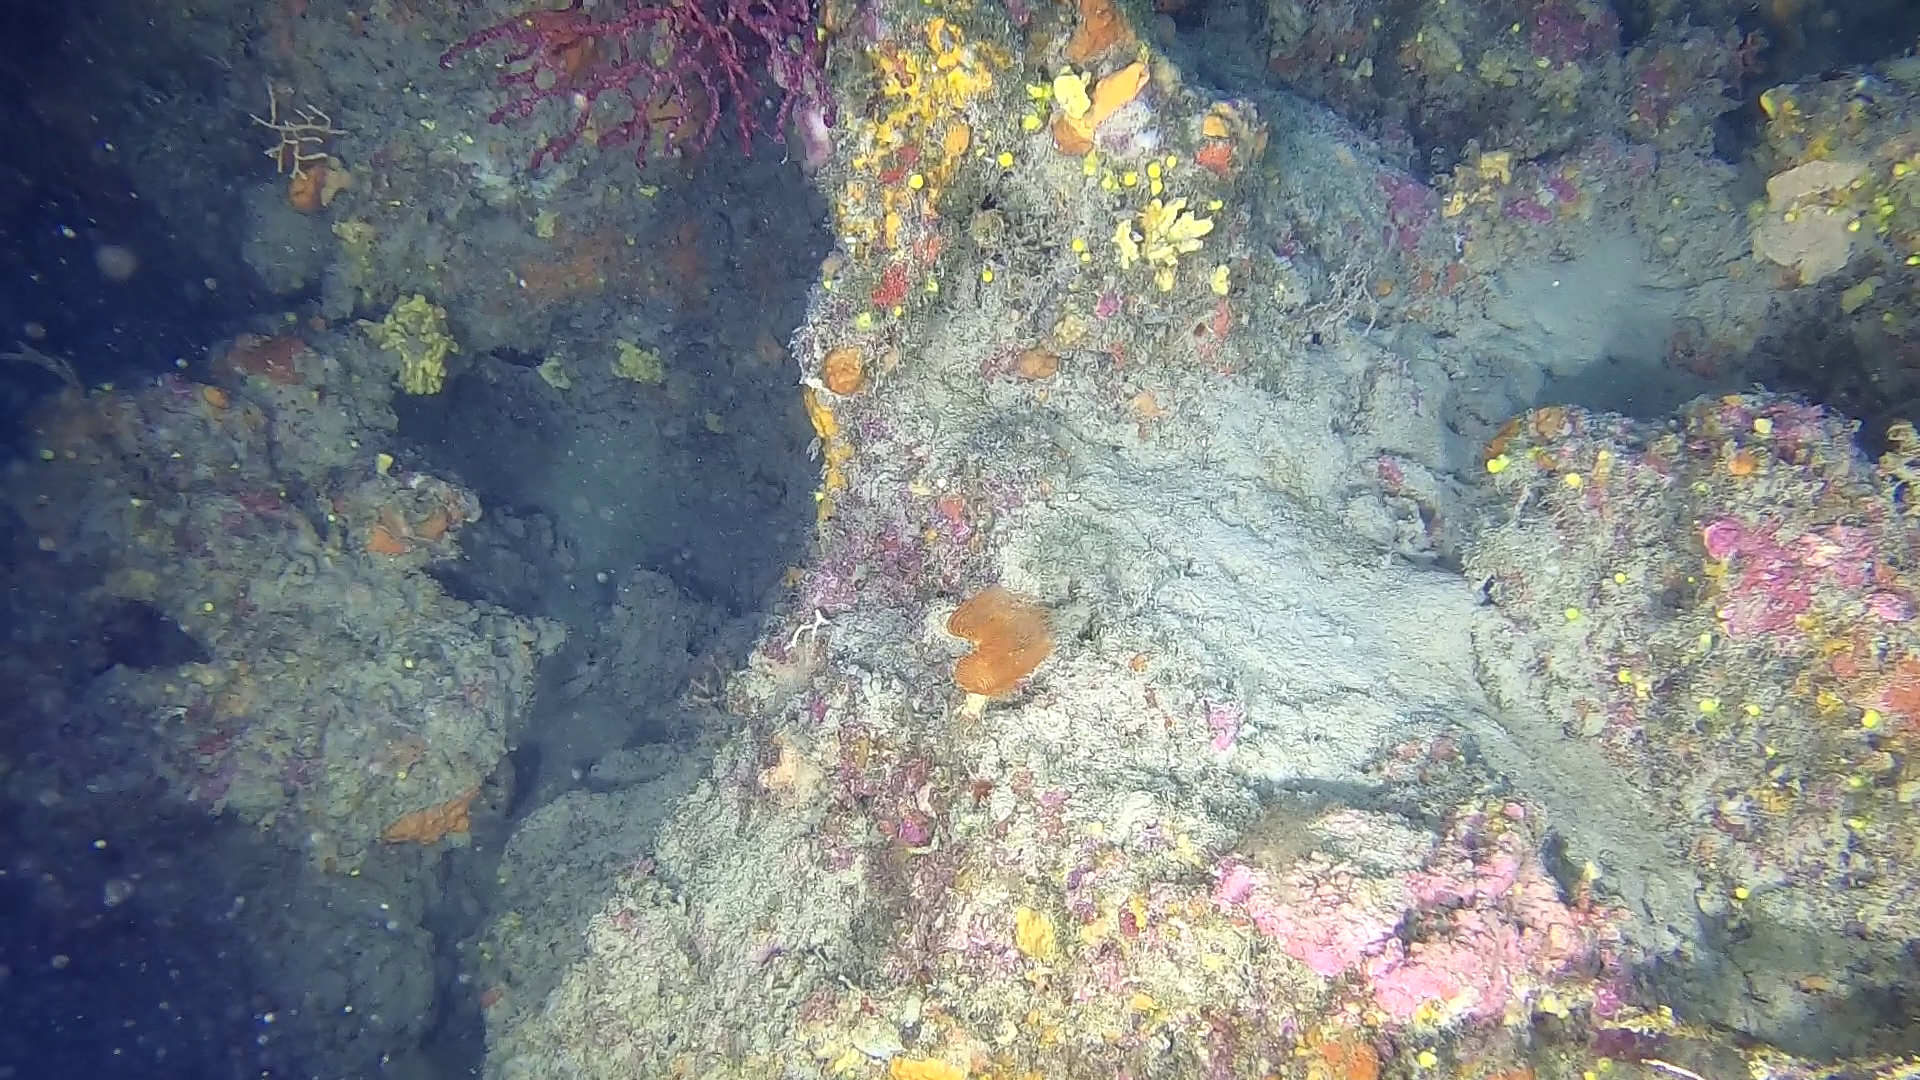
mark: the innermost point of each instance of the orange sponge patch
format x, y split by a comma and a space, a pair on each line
1102, 26
1011, 635
430, 824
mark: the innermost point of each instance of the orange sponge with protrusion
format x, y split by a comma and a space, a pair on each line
1011, 635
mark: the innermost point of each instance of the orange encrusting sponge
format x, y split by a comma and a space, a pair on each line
1010, 636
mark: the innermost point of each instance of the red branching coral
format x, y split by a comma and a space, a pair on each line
677, 62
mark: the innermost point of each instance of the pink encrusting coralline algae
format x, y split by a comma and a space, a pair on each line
1326, 915
1476, 935
1771, 582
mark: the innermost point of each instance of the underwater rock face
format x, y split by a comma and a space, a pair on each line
1204, 615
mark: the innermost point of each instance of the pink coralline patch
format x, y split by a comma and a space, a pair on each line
1411, 207
1235, 884
1888, 607
1409, 202
1223, 724
1528, 209
885, 562
1562, 187
1611, 160
1795, 423
1325, 915
1466, 973
983, 940
1460, 879
1472, 936
910, 830
1774, 583
1565, 31
1844, 551
1692, 72
1506, 934
1655, 86
828, 592
951, 522
1721, 538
